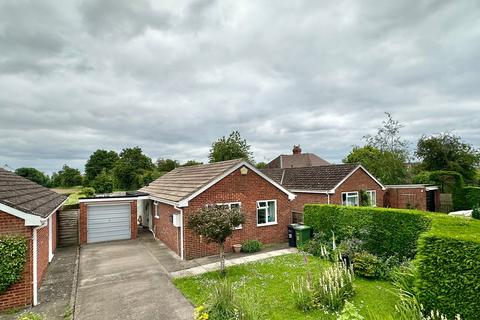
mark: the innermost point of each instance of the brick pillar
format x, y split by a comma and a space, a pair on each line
133, 212
82, 224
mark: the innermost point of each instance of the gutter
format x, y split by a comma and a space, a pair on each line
181, 231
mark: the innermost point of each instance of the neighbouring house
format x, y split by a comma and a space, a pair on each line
296, 160
29, 210
413, 196
328, 184
165, 205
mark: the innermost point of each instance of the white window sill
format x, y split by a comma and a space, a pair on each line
157, 217
267, 224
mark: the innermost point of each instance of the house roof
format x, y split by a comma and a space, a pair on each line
27, 196
185, 183
297, 160
319, 178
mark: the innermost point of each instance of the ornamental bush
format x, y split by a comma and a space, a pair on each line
383, 232
250, 246
466, 198
13, 253
367, 265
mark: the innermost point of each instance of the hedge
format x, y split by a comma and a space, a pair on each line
448, 266
466, 198
385, 232
13, 253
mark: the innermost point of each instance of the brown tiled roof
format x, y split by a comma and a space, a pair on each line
27, 196
184, 181
297, 161
319, 178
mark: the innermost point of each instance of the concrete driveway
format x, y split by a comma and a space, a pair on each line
122, 280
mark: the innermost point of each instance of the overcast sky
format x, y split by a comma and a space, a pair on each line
172, 76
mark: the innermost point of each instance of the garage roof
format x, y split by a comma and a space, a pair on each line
184, 183
27, 196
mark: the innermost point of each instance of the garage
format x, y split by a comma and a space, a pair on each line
108, 222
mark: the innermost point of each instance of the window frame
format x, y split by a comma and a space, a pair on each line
266, 217
229, 204
156, 210
347, 196
370, 193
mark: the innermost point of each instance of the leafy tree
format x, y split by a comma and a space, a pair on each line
131, 165
149, 176
104, 182
99, 160
261, 165
216, 224
446, 151
191, 163
167, 165
67, 177
34, 175
233, 147
384, 154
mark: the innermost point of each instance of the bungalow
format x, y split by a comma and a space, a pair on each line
29, 210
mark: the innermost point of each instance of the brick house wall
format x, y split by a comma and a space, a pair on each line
19, 294
304, 198
42, 253
404, 198
163, 228
359, 180
246, 189
133, 219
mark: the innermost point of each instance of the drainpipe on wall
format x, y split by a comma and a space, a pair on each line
34, 249
181, 231
328, 198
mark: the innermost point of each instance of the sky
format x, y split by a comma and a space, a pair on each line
172, 76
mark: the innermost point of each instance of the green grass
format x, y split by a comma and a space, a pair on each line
270, 280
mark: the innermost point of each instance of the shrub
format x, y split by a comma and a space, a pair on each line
476, 212
466, 198
367, 265
448, 267
316, 246
383, 232
302, 295
104, 182
13, 250
31, 316
251, 246
88, 192
350, 312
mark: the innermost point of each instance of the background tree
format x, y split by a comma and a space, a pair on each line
129, 168
216, 224
99, 161
104, 182
233, 147
261, 165
67, 177
385, 154
191, 163
34, 175
446, 151
166, 165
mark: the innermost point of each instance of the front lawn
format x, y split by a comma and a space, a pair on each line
271, 280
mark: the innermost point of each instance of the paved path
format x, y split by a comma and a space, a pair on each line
123, 280
231, 262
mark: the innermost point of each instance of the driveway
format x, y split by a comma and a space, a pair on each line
123, 280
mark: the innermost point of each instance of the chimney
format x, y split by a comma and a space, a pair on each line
297, 149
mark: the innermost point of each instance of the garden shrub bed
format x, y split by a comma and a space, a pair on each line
13, 253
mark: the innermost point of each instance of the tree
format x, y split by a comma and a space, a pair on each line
191, 163
216, 224
99, 160
233, 147
67, 177
261, 165
129, 168
384, 154
166, 165
446, 151
34, 175
104, 182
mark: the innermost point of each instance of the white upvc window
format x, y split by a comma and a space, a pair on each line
157, 210
231, 205
372, 198
266, 212
350, 198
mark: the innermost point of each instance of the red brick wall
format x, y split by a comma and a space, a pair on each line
403, 198
246, 189
305, 198
83, 221
42, 253
360, 180
19, 294
163, 227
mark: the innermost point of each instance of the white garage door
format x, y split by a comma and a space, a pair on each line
108, 222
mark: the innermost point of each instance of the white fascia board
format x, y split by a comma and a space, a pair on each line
31, 220
172, 203
352, 172
312, 191
184, 202
117, 199
431, 188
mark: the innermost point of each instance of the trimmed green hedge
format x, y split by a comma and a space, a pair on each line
13, 253
385, 232
448, 263
466, 198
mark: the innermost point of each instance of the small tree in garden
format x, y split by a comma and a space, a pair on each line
216, 224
